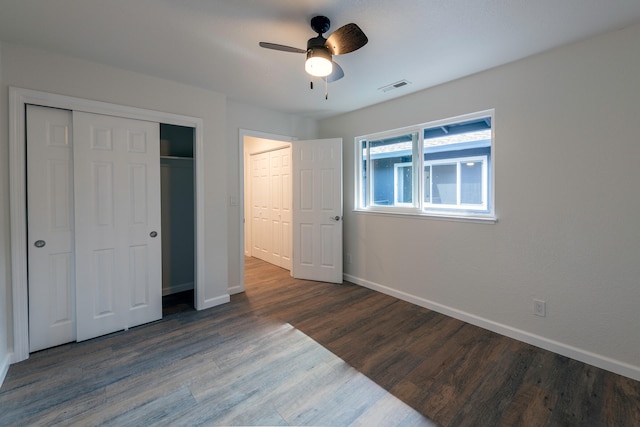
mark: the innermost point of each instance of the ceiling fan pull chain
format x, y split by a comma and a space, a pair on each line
326, 88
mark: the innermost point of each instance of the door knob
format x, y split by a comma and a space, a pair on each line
39, 243
336, 218
153, 234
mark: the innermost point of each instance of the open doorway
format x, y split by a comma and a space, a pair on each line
316, 199
268, 206
267, 200
177, 183
251, 142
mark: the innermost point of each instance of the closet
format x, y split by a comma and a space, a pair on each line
95, 224
93, 214
178, 215
270, 201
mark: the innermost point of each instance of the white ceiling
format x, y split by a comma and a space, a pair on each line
213, 44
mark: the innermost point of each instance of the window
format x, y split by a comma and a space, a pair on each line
441, 168
390, 163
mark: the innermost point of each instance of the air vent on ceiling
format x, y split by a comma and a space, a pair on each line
394, 86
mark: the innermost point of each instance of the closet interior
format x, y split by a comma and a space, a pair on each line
178, 208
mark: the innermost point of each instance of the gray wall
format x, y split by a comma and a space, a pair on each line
567, 147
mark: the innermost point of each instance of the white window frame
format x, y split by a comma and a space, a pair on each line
483, 213
405, 208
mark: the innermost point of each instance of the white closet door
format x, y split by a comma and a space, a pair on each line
286, 209
280, 206
117, 217
50, 220
260, 206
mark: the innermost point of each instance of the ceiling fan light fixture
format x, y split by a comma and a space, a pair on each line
318, 62
320, 50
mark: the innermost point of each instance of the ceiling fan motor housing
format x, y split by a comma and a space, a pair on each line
315, 42
318, 51
316, 47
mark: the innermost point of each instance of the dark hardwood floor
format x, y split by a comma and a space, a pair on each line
291, 352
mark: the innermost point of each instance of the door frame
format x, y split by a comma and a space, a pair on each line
18, 99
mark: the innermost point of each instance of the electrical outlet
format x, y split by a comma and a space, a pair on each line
539, 308
348, 258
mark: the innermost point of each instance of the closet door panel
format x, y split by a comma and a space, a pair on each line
144, 302
144, 241
103, 284
260, 206
275, 207
117, 210
99, 280
50, 221
285, 207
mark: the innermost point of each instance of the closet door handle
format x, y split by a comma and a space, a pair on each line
153, 234
39, 243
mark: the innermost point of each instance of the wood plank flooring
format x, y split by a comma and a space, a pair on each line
291, 352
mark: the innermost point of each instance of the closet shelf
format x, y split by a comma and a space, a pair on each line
176, 158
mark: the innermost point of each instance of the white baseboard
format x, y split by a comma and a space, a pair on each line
598, 360
174, 289
4, 367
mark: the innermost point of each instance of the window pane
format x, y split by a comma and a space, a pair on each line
364, 193
445, 187
471, 183
457, 155
385, 154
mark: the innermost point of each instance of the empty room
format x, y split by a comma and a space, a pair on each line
319, 213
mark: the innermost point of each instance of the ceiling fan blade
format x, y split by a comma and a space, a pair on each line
336, 74
281, 47
346, 39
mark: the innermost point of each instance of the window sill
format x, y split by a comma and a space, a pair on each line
482, 219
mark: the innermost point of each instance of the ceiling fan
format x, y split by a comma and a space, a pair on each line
320, 50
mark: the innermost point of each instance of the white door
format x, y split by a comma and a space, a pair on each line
50, 222
117, 223
317, 210
280, 206
260, 206
271, 206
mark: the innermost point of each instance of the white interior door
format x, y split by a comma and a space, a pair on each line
117, 218
50, 222
317, 210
